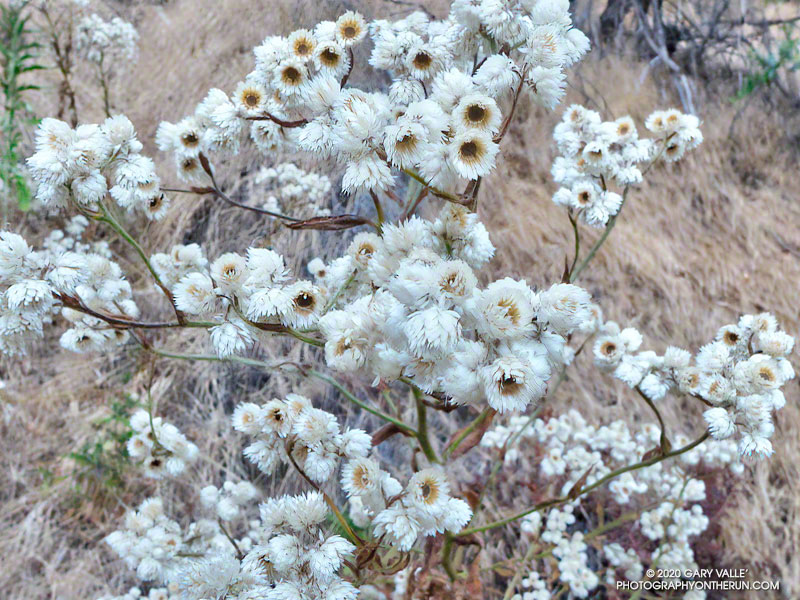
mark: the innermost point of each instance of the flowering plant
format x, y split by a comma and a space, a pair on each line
403, 307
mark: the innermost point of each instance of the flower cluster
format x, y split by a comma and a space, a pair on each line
739, 375
106, 43
418, 312
400, 515
595, 153
150, 541
402, 306
539, 35
295, 555
284, 554
227, 502
293, 430
242, 294
566, 448
293, 190
89, 162
33, 282
159, 446
296, 95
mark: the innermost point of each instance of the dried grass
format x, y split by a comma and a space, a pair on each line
700, 242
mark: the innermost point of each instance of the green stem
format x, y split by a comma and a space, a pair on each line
303, 338
435, 191
600, 482
250, 362
352, 398
348, 531
609, 227
422, 427
447, 550
114, 224
664, 441
339, 292
378, 208
574, 223
613, 220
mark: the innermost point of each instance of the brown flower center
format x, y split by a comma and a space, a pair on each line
512, 310
342, 346
304, 300
731, 338
407, 142
252, 99
609, 348
766, 374
476, 113
468, 150
509, 385
422, 60
302, 48
329, 57
292, 76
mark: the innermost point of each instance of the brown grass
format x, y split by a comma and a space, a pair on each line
698, 244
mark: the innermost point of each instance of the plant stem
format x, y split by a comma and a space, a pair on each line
609, 227
352, 398
600, 482
104, 85
422, 427
574, 223
433, 190
303, 338
447, 550
613, 220
664, 441
239, 554
378, 208
110, 220
351, 535
342, 288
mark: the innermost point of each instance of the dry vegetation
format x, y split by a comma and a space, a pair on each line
699, 243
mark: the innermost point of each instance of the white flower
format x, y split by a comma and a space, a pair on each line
564, 307
721, 425
398, 525
505, 309
230, 338
247, 418
194, 294
229, 272
472, 153
432, 330
511, 383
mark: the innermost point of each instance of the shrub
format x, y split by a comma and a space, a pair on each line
392, 510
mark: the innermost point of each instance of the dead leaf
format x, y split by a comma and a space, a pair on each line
335, 223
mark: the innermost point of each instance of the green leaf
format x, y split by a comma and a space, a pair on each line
24, 196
